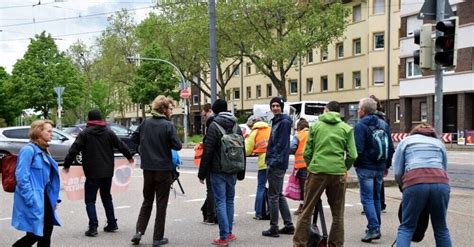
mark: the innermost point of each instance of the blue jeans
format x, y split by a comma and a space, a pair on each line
370, 183
91, 187
223, 186
277, 202
261, 183
415, 198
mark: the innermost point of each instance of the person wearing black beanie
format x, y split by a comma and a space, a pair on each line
94, 115
219, 105
278, 100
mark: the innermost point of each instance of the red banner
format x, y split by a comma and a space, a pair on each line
73, 181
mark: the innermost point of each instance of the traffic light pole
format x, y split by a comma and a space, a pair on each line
438, 97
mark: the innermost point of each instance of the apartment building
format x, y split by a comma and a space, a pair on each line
417, 88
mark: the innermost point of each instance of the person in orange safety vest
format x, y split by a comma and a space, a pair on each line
297, 147
256, 144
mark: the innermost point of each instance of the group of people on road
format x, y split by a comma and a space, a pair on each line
324, 152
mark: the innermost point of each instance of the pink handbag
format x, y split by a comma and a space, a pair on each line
292, 189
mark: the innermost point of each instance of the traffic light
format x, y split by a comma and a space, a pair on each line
424, 56
446, 45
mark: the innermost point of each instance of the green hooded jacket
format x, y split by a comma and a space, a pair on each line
331, 147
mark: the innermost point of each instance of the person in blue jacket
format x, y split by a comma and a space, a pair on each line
37, 188
277, 158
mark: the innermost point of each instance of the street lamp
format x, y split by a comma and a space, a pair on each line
182, 86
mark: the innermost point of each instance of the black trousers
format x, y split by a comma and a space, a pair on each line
45, 241
155, 183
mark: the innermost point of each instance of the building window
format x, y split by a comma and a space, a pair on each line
294, 62
259, 91
324, 83
423, 112
249, 68
357, 47
293, 86
379, 7
356, 13
324, 54
356, 79
228, 95
378, 41
309, 56
236, 70
309, 85
249, 92
236, 93
340, 81
413, 24
269, 90
195, 99
412, 69
340, 50
397, 113
378, 76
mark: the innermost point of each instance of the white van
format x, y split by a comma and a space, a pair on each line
309, 110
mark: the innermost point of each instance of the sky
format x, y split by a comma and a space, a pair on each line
66, 20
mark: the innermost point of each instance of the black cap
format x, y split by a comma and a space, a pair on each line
278, 100
219, 105
94, 115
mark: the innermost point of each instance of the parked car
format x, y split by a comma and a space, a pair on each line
13, 138
124, 133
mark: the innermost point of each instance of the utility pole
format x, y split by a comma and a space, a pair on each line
59, 92
213, 49
438, 96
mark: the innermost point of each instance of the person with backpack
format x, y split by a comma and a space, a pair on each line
329, 153
374, 156
297, 146
156, 137
97, 143
256, 144
224, 168
37, 188
209, 207
420, 166
277, 159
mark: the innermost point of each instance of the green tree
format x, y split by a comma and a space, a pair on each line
110, 67
42, 68
272, 34
8, 110
102, 98
153, 78
183, 33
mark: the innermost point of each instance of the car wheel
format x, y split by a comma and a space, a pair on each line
78, 160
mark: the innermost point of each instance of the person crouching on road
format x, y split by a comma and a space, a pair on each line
223, 184
36, 194
97, 143
156, 137
277, 159
329, 153
420, 163
297, 147
256, 144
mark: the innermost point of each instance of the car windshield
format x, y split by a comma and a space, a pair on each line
119, 130
314, 109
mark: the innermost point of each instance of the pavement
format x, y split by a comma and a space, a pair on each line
184, 227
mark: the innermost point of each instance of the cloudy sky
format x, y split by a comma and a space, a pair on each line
66, 21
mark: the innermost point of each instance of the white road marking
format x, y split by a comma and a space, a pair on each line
253, 212
122, 207
253, 195
8, 218
196, 200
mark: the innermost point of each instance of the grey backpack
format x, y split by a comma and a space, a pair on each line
232, 150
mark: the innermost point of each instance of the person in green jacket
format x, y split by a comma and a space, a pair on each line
329, 153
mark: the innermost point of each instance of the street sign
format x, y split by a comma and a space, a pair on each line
428, 10
185, 94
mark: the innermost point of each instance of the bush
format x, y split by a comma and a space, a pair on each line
195, 139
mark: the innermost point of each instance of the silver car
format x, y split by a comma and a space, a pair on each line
13, 138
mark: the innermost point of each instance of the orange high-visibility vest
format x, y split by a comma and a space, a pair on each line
261, 140
303, 138
198, 150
